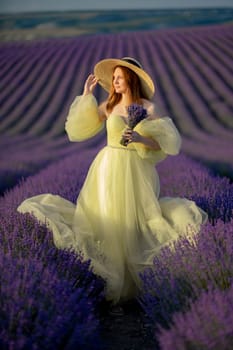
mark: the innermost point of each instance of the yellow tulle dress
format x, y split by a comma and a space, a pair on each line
119, 221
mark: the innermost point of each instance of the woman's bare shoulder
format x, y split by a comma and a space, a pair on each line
103, 110
152, 108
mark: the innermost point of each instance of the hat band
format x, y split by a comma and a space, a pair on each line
131, 61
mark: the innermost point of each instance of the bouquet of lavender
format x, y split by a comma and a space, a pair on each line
136, 113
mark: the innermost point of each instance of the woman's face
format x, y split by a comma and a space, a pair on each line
119, 82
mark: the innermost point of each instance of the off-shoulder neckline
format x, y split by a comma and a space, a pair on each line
125, 118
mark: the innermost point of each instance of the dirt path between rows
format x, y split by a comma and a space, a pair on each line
128, 332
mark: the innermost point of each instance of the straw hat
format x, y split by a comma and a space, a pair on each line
103, 70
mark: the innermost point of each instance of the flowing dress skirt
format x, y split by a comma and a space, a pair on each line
119, 221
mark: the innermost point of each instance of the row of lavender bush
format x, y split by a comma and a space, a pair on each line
188, 292
202, 80
23, 155
48, 297
40, 284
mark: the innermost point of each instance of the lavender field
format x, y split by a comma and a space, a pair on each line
192, 68
187, 295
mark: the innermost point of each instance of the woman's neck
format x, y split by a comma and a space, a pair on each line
126, 99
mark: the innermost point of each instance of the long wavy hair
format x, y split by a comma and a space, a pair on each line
134, 85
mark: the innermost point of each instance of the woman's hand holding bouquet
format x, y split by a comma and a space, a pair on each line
136, 113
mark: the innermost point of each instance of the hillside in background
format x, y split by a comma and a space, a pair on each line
32, 26
192, 68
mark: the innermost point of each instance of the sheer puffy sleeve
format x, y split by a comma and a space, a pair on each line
83, 119
164, 132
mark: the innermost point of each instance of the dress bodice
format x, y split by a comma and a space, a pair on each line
115, 127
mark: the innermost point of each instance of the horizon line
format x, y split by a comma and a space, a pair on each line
117, 9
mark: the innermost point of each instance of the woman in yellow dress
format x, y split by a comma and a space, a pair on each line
119, 220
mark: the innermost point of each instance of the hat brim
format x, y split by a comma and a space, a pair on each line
103, 70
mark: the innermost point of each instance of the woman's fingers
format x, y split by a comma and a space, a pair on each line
128, 131
90, 83
128, 135
91, 80
131, 136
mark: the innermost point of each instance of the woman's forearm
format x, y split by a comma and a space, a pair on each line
150, 143
133, 136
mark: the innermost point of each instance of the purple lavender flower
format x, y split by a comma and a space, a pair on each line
48, 296
207, 325
179, 275
136, 113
